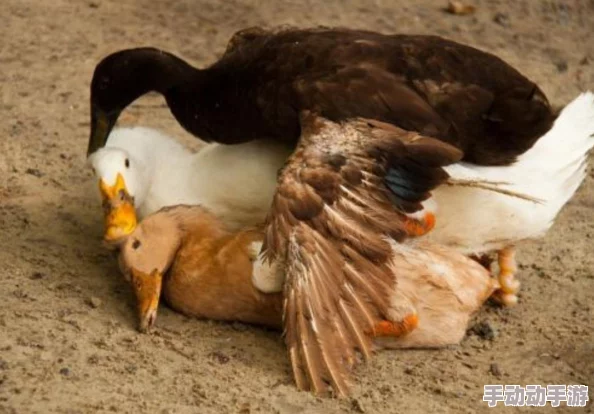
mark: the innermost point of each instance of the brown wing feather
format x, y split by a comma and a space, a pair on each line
330, 218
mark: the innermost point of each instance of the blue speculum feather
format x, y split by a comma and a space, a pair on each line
401, 182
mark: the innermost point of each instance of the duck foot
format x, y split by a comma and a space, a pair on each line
396, 329
419, 227
506, 295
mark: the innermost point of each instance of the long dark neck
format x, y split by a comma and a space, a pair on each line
162, 71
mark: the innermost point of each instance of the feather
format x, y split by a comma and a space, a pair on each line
331, 221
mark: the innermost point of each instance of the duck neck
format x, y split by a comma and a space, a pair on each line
164, 71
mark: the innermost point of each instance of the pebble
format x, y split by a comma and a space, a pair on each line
94, 302
357, 406
219, 357
561, 66
495, 370
485, 330
37, 276
35, 172
65, 371
501, 19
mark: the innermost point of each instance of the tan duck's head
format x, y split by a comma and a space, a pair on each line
145, 256
122, 187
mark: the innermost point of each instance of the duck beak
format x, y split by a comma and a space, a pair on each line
101, 125
147, 288
120, 214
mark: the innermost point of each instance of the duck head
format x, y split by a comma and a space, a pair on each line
122, 186
124, 76
145, 256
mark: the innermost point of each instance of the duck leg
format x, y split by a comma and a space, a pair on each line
416, 227
398, 328
510, 286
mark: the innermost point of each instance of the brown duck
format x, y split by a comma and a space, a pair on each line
201, 269
375, 120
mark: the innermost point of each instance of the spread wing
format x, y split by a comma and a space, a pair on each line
344, 190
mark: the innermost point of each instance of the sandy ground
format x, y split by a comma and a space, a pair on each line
68, 342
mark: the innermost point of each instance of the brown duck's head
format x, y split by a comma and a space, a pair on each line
124, 76
145, 256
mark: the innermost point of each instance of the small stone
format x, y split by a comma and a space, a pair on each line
65, 371
485, 330
357, 406
409, 371
93, 359
459, 8
219, 357
561, 66
94, 302
93, 5
131, 369
37, 276
502, 19
495, 370
34, 171
585, 61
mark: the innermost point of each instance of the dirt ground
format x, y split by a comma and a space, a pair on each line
68, 339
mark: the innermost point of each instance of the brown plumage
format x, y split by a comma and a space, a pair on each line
193, 252
207, 272
330, 222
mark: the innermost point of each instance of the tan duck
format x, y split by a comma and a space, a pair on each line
203, 270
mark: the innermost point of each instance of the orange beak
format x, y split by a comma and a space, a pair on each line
120, 215
147, 288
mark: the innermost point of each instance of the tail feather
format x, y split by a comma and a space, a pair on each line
550, 173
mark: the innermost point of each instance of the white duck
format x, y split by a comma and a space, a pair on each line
141, 170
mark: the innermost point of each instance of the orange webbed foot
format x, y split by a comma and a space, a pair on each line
396, 329
419, 227
510, 286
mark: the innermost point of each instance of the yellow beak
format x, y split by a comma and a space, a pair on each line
120, 215
147, 288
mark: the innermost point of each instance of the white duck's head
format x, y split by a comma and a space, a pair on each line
122, 185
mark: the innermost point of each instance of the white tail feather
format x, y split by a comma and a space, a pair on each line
478, 220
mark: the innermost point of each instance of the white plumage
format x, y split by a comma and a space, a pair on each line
236, 182
477, 221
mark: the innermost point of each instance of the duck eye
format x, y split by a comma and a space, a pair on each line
121, 195
136, 244
127, 163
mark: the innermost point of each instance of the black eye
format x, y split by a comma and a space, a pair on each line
121, 195
127, 163
136, 244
